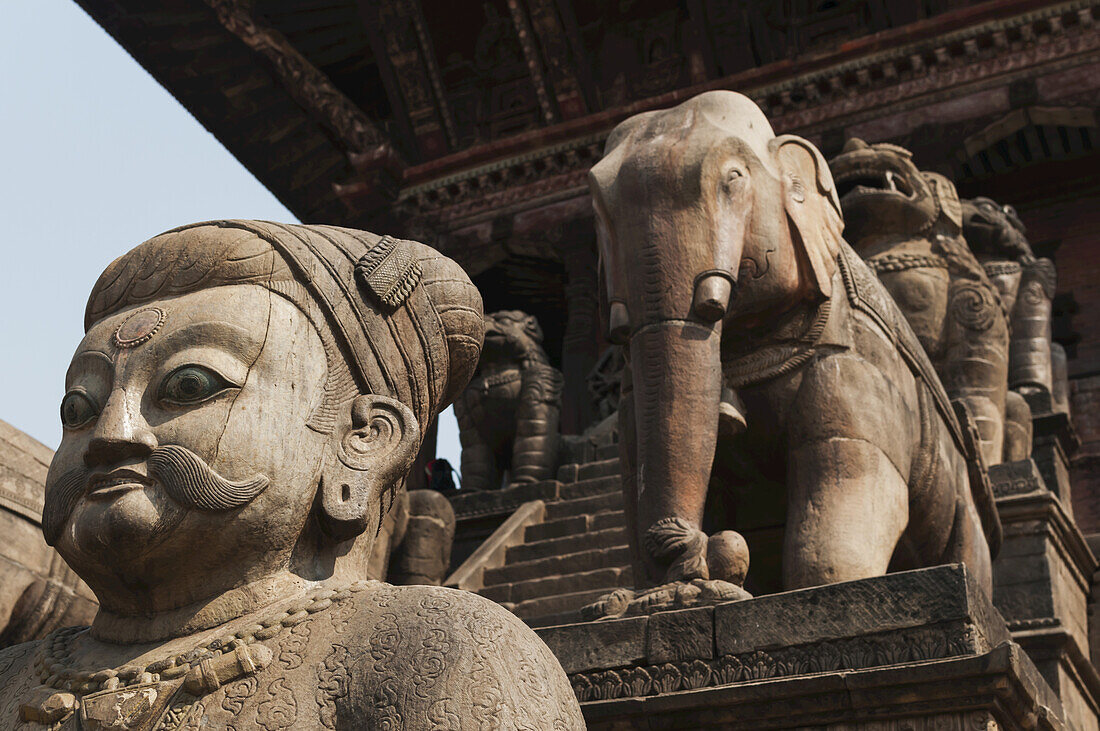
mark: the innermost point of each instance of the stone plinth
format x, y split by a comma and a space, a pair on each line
1041, 585
918, 649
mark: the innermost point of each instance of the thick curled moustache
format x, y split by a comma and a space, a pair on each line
194, 484
184, 475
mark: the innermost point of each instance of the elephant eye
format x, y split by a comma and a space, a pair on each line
191, 384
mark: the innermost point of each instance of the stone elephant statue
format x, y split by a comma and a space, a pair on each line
772, 385
508, 416
907, 225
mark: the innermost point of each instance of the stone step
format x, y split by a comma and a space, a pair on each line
606, 538
582, 506
521, 591
557, 604
552, 620
577, 472
607, 451
574, 524
596, 558
594, 486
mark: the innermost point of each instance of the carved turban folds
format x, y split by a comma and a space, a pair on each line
396, 317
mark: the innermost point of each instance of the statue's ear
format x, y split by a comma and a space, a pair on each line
812, 206
374, 445
947, 198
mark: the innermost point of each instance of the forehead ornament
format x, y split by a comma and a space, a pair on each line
139, 327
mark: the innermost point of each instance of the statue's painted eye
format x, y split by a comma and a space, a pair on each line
190, 384
77, 410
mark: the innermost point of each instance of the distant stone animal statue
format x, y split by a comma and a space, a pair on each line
38, 591
1026, 283
414, 543
907, 225
508, 416
770, 378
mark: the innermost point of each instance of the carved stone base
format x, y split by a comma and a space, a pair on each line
918, 649
1041, 583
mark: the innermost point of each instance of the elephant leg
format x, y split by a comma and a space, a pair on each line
628, 468
856, 426
479, 470
847, 508
535, 449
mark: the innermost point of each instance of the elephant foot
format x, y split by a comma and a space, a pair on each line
674, 595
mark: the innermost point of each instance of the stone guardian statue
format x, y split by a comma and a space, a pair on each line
509, 414
238, 418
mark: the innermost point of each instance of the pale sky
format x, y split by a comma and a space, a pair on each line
97, 157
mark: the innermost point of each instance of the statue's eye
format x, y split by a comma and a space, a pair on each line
77, 410
191, 384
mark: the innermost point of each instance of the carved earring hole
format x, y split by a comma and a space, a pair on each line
345, 492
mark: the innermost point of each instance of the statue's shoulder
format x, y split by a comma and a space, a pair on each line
430, 654
16, 659
17, 674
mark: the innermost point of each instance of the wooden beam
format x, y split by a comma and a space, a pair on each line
522, 25
561, 72
401, 44
306, 84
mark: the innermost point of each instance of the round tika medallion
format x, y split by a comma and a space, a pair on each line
139, 327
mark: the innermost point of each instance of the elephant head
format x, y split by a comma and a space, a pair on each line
884, 195
709, 224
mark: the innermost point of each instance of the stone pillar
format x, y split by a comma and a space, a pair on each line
1042, 578
582, 342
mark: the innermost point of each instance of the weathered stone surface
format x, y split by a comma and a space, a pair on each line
883, 604
1016, 478
502, 502
239, 420
687, 634
1042, 585
598, 645
912, 650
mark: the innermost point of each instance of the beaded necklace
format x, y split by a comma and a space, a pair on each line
52, 663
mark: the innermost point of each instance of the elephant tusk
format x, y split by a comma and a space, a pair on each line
619, 324
712, 297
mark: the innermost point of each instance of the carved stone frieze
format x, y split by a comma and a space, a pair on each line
886, 648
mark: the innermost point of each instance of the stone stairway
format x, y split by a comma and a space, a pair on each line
578, 553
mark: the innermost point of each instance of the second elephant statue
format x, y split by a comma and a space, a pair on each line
772, 386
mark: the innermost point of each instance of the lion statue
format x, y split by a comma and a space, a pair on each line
508, 415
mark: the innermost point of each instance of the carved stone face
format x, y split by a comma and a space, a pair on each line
186, 457
993, 230
881, 192
510, 335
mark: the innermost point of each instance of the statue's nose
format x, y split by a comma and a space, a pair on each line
121, 434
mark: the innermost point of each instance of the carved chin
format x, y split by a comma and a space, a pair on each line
126, 524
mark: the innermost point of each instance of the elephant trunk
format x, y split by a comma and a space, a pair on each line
677, 384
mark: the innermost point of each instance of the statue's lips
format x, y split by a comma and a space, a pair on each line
865, 180
105, 485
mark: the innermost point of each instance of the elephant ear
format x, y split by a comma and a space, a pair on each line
813, 208
947, 198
